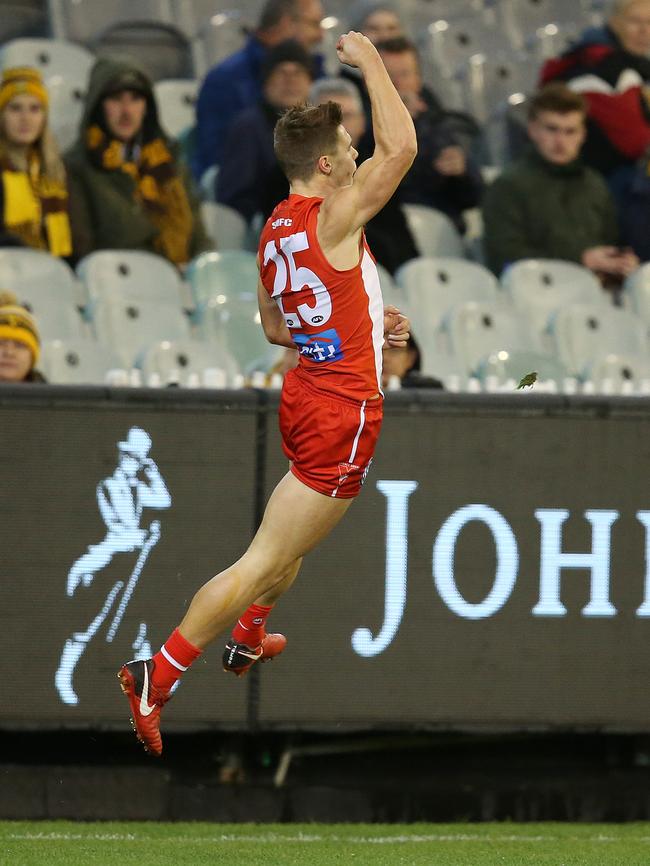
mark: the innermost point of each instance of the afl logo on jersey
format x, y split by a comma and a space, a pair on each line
316, 320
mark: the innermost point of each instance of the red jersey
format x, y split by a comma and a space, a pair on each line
336, 318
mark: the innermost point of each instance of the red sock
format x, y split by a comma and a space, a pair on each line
174, 658
250, 625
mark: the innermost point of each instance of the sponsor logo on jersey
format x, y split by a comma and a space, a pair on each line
324, 347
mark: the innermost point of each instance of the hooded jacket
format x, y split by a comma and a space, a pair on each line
104, 210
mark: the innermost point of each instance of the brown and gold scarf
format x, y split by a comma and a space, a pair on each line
158, 187
36, 207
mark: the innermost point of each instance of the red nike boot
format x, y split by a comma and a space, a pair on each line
145, 701
239, 658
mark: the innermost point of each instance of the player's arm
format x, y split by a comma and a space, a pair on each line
275, 328
345, 211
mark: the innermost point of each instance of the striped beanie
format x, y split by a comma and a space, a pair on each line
17, 323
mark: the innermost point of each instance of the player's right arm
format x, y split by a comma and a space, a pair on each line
345, 211
273, 324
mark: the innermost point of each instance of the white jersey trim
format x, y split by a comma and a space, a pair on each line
370, 280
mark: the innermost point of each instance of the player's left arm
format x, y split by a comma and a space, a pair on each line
275, 328
397, 328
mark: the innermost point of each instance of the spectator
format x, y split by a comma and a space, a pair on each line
236, 84
34, 193
20, 343
250, 179
378, 21
443, 176
405, 363
548, 204
128, 190
611, 67
388, 233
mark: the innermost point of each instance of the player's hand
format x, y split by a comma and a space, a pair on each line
396, 328
354, 48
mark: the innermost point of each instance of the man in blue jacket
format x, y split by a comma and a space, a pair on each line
235, 83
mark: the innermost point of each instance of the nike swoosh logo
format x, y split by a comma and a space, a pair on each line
145, 709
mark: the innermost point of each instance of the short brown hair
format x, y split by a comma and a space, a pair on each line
556, 97
398, 45
304, 133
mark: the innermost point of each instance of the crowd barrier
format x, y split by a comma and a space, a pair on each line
493, 574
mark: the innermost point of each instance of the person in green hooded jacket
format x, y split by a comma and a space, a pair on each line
128, 188
549, 204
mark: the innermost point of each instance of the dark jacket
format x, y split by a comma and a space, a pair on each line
618, 119
229, 87
250, 179
436, 129
103, 211
539, 210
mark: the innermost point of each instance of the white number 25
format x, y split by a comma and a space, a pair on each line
299, 278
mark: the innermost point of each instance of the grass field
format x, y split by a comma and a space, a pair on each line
52, 843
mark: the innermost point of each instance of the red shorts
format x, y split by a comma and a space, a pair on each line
329, 439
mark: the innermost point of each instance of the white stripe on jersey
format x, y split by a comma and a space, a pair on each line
370, 280
355, 443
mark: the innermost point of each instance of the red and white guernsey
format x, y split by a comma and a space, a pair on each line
336, 318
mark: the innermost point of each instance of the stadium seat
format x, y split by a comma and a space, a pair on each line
217, 276
391, 292
443, 365
491, 80
637, 290
23, 18
191, 16
77, 362
434, 285
182, 360
48, 288
618, 369
451, 42
83, 20
521, 18
583, 332
65, 69
218, 37
176, 99
479, 329
514, 364
224, 287
225, 225
130, 275
433, 231
160, 49
129, 326
538, 287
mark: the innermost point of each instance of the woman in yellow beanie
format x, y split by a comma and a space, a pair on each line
33, 191
20, 344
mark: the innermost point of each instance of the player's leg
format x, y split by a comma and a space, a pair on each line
249, 641
295, 520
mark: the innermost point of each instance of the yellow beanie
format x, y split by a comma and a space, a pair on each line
17, 323
22, 79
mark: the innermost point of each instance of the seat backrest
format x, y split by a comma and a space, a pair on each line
434, 233
191, 16
391, 292
584, 331
160, 49
215, 277
434, 285
23, 18
237, 326
130, 275
517, 363
538, 287
77, 362
218, 37
129, 326
83, 20
176, 100
617, 369
47, 286
179, 360
225, 225
637, 289
479, 329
